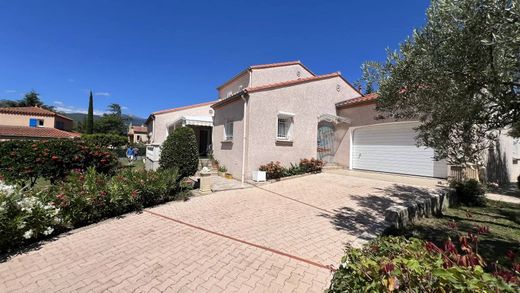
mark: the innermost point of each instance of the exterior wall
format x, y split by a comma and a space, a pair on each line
361, 115
235, 86
307, 101
270, 75
229, 154
162, 121
142, 136
23, 120
67, 124
509, 165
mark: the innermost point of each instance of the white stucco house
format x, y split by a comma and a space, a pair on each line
285, 112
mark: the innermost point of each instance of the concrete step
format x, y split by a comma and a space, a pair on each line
330, 167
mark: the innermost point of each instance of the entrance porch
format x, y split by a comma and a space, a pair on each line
202, 126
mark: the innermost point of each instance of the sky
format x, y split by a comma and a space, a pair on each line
154, 55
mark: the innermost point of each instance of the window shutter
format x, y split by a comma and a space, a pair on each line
33, 122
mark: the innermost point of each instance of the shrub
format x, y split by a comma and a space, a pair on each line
412, 265
121, 151
25, 218
105, 140
26, 161
470, 192
311, 166
273, 170
180, 152
222, 169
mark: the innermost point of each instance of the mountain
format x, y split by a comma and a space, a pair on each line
80, 117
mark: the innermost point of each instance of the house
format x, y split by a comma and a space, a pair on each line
161, 123
277, 112
34, 123
137, 134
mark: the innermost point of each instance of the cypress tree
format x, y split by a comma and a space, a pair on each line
90, 115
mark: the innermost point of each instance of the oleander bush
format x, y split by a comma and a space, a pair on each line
24, 217
275, 170
23, 162
397, 264
470, 192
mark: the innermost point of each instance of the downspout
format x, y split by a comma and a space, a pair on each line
244, 140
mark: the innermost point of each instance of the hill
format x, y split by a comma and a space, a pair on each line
80, 117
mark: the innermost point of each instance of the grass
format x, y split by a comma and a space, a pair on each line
137, 165
503, 220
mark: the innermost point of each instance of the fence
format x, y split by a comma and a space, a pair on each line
460, 173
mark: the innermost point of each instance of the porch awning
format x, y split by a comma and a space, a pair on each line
333, 118
195, 121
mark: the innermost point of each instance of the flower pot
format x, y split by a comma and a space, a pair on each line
221, 174
259, 176
229, 176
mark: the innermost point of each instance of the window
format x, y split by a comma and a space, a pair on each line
284, 126
60, 125
516, 149
33, 122
228, 131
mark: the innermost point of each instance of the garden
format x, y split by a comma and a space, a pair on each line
58, 185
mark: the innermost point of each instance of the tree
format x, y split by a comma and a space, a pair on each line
180, 152
112, 122
31, 99
89, 127
459, 75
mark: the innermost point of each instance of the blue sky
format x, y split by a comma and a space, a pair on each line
153, 55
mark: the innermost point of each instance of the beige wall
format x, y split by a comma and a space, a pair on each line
506, 150
67, 124
162, 121
307, 101
270, 75
229, 154
235, 86
23, 120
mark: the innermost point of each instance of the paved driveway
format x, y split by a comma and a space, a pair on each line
279, 237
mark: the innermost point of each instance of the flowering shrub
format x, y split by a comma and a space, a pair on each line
274, 170
411, 265
25, 161
25, 218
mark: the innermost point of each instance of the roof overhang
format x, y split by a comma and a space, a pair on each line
194, 121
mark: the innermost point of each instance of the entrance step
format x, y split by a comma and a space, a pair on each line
331, 167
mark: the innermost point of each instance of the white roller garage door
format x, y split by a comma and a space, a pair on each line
391, 148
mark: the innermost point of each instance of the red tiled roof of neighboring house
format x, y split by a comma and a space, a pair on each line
36, 132
262, 66
31, 111
366, 99
277, 85
183, 108
139, 129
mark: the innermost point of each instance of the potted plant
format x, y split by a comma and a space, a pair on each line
259, 176
229, 176
222, 171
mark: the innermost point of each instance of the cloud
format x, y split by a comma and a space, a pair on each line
71, 80
124, 108
10, 91
73, 109
104, 94
59, 103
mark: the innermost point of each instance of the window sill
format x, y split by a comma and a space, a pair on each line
227, 141
283, 142
280, 139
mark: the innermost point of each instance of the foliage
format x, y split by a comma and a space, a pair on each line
24, 218
180, 152
89, 123
470, 192
411, 265
273, 170
113, 122
311, 165
222, 169
518, 181
105, 139
459, 75
25, 161
31, 99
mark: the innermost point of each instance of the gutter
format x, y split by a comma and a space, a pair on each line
244, 139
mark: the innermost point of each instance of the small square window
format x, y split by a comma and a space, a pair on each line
284, 126
228, 131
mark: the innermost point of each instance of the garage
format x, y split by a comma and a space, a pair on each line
391, 148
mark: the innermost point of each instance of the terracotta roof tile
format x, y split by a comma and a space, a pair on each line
139, 129
369, 98
27, 111
35, 132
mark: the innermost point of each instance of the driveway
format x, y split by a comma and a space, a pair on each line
279, 237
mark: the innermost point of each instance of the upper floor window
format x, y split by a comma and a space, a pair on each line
228, 130
33, 122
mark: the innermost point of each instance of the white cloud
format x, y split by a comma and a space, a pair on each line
59, 103
10, 91
72, 109
71, 80
104, 94
124, 108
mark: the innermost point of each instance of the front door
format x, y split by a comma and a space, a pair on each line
326, 142
203, 142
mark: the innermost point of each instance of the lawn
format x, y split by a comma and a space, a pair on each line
503, 220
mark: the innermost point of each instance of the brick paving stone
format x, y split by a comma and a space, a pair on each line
311, 217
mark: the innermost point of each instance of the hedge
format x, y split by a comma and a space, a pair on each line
180, 151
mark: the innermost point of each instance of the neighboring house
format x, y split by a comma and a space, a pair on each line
162, 123
137, 134
34, 123
277, 112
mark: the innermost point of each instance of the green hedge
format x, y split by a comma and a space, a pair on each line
23, 162
180, 151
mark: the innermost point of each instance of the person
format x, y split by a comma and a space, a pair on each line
130, 154
136, 152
